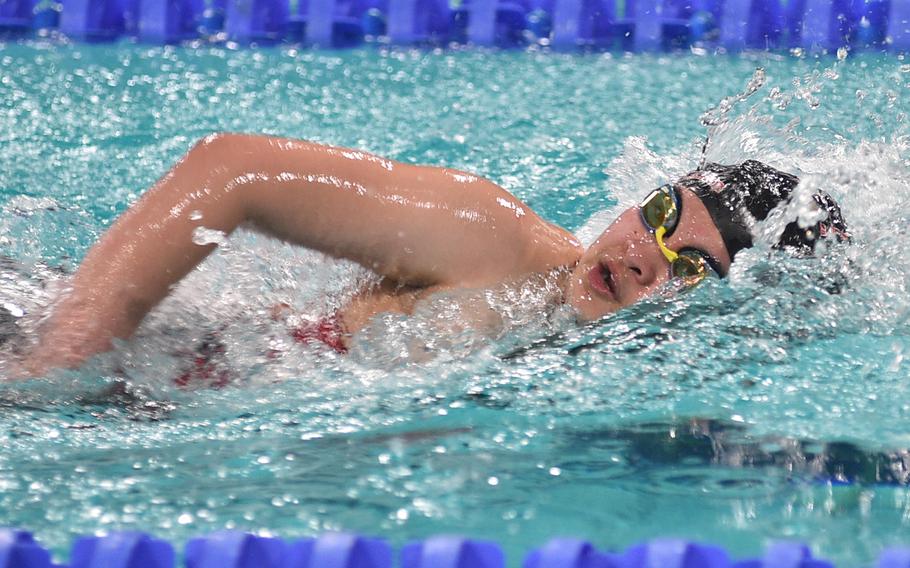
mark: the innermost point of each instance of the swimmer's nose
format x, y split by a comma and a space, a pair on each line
642, 264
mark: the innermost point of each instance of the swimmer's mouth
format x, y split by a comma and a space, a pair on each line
601, 280
607, 275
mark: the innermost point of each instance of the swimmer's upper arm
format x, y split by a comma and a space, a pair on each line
418, 225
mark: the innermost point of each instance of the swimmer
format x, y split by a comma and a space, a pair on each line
422, 229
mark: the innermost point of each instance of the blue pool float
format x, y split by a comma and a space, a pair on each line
15, 16
166, 21
452, 552
99, 20
18, 549
338, 550
641, 25
413, 22
234, 549
259, 21
122, 550
786, 555
569, 553
582, 23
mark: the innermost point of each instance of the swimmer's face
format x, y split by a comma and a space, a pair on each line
625, 265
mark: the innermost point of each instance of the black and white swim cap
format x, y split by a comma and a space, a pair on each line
737, 196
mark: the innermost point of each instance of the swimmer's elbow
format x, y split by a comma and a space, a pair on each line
224, 151
218, 142
222, 164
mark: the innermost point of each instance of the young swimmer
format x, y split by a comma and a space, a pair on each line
422, 229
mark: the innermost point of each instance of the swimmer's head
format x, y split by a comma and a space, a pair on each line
689, 229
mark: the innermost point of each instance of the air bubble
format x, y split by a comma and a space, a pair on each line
195, 215
842, 53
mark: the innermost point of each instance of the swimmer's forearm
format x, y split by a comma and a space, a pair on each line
144, 253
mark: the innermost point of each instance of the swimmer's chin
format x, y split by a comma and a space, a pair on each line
586, 308
586, 313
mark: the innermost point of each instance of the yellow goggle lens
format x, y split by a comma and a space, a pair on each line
659, 209
689, 267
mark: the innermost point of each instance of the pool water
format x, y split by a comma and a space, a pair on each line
771, 405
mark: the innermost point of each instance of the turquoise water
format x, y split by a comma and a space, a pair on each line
771, 405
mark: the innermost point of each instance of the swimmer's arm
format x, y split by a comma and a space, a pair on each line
416, 225
420, 226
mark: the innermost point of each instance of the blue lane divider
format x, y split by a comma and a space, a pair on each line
261, 21
46, 14
122, 550
673, 553
99, 20
491, 22
899, 25
639, 25
169, 21
582, 23
18, 549
786, 555
335, 23
895, 558
418, 21
569, 553
233, 549
752, 24
341, 551
452, 552
15, 15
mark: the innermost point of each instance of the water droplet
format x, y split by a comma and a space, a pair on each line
195, 215
555, 471
14, 310
204, 236
842, 53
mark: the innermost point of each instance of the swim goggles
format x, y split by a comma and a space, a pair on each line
660, 214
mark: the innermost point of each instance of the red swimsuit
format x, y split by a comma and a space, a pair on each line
329, 331
207, 370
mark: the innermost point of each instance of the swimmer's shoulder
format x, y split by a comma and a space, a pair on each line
551, 247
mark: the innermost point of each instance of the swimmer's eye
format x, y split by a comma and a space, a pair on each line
691, 266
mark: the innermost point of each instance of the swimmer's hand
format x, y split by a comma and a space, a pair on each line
417, 226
